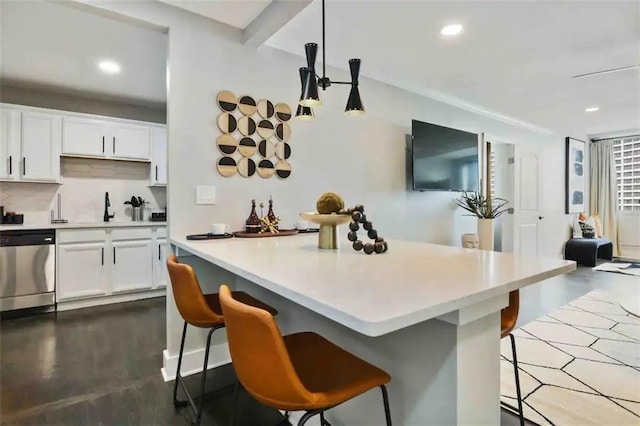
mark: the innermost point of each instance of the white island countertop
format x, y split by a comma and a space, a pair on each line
80, 225
379, 293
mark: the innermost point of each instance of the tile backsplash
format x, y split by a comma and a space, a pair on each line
84, 182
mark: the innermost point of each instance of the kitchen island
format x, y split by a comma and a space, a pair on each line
427, 314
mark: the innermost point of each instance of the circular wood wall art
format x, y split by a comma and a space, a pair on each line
246, 167
227, 101
247, 105
283, 150
265, 129
283, 131
247, 126
227, 144
283, 112
283, 169
266, 149
247, 147
227, 166
227, 123
265, 108
265, 169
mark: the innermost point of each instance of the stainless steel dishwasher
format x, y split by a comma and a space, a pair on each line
27, 269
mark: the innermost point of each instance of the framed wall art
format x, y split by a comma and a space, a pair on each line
575, 170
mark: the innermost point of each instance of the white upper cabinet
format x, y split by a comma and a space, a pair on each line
158, 156
130, 141
84, 136
40, 147
9, 144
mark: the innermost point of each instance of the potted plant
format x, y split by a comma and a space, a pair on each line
485, 209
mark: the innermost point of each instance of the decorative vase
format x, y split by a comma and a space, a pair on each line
485, 233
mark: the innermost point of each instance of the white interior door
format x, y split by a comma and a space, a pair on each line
527, 206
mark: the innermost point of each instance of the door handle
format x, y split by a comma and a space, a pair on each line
114, 255
24, 166
10, 165
102, 256
103, 144
540, 217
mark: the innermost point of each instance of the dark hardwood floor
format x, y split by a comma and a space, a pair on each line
101, 366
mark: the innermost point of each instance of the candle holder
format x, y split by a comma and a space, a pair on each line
328, 236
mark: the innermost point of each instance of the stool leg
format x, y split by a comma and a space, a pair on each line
517, 374
175, 385
204, 374
307, 416
323, 421
236, 389
385, 399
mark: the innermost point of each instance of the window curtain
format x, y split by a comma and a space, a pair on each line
604, 189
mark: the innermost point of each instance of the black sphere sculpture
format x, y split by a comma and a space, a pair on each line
358, 218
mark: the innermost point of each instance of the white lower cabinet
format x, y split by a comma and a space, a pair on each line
132, 265
81, 271
160, 275
109, 263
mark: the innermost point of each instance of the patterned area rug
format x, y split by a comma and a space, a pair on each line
620, 267
579, 365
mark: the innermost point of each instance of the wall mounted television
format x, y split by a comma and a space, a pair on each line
443, 159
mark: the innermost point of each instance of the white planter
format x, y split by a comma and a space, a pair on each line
485, 233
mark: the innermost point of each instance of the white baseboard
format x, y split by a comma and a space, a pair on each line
107, 300
192, 361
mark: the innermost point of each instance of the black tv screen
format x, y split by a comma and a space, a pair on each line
444, 159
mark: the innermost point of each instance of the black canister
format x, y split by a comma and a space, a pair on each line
18, 219
1, 215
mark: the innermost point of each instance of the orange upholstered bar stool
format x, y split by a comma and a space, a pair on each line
508, 319
198, 310
298, 372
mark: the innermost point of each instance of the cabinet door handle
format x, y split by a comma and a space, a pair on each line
159, 252
114, 144
114, 255
24, 166
156, 173
10, 165
102, 256
103, 144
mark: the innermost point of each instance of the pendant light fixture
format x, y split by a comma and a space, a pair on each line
304, 113
310, 96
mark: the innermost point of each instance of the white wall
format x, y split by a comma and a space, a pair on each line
361, 158
84, 183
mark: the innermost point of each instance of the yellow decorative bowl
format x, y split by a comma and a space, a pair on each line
328, 236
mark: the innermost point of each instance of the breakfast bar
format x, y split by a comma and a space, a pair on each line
427, 314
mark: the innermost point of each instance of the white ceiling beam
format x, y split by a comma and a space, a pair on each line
271, 19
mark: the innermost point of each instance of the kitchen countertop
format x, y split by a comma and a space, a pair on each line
80, 225
375, 294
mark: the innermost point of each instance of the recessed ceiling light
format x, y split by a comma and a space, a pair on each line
592, 109
109, 67
451, 30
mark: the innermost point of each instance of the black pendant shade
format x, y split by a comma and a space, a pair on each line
354, 103
311, 81
310, 96
304, 112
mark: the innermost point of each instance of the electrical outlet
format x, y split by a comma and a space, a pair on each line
205, 195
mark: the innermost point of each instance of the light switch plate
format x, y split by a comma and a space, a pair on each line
205, 195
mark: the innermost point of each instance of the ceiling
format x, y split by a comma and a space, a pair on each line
237, 13
57, 46
515, 58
